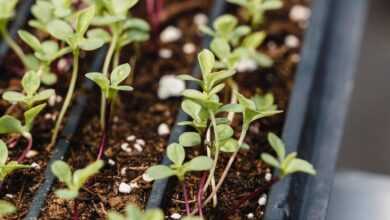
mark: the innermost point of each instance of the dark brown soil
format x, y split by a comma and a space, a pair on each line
139, 114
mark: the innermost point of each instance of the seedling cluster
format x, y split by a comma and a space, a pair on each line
60, 29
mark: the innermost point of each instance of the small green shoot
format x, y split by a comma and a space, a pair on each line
7, 168
73, 181
74, 37
255, 9
226, 27
286, 163
31, 94
176, 154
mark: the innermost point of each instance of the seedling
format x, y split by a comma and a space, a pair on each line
73, 181
109, 89
226, 27
75, 39
44, 54
29, 97
255, 9
123, 30
45, 11
179, 168
286, 164
7, 12
249, 49
7, 168
6, 208
132, 212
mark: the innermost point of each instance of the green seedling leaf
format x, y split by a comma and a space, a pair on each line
62, 171
277, 145
299, 165
271, 160
99, 33
199, 163
189, 139
6, 208
14, 97
81, 176
176, 153
89, 44
225, 24
9, 168
60, 30
31, 114
224, 131
206, 61
75, 181
254, 40
84, 19
31, 83
9, 124
160, 172
120, 73
3, 153
30, 40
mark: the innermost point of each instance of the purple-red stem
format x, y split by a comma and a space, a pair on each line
26, 150
154, 8
200, 194
13, 142
186, 200
104, 136
75, 211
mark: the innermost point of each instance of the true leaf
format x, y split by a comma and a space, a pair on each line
31, 83
31, 114
60, 30
84, 19
9, 124
278, 145
299, 165
176, 153
82, 175
120, 73
189, 139
89, 44
30, 39
199, 163
159, 172
269, 159
206, 61
62, 171
14, 97
66, 194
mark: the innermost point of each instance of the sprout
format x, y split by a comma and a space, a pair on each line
287, 164
176, 154
30, 95
132, 212
73, 181
123, 30
226, 27
7, 168
109, 89
75, 39
255, 9
44, 54
29, 98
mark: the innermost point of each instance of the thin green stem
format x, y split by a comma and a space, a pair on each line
106, 67
227, 168
14, 46
68, 98
216, 155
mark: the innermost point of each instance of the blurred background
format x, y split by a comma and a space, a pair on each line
362, 184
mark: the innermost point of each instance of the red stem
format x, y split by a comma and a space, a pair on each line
186, 200
154, 9
200, 194
26, 150
75, 211
13, 142
104, 135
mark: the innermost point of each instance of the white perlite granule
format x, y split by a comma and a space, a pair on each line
170, 86
124, 188
163, 129
300, 13
170, 34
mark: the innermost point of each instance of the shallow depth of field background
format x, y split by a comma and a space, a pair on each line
362, 184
